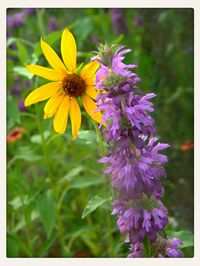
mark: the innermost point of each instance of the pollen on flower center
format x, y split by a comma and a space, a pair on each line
73, 85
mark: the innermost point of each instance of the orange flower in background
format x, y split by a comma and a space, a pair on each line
188, 145
66, 86
15, 134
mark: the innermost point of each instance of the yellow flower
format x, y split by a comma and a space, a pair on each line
65, 87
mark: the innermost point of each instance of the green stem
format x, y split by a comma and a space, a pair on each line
44, 147
25, 42
28, 225
100, 139
47, 160
28, 114
147, 247
110, 240
40, 21
61, 230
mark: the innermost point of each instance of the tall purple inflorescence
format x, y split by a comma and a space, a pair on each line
135, 164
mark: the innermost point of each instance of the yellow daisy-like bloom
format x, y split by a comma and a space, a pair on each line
65, 87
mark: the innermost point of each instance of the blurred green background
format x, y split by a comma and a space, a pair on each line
50, 178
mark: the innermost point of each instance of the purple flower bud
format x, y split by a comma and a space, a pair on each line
21, 106
174, 253
27, 84
137, 251
15, 89
138, 21
16, 20
10, 22
52, 24
28, 11
118, 20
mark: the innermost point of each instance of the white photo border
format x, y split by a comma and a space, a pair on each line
4, 4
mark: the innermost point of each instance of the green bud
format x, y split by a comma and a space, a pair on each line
113, 80
144, 202
106, 54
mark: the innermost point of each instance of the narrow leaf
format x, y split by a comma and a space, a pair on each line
22, 53
71, 174
47, 212
37, 138
22, 71
46, 245
86, 181
95, 202
12, 110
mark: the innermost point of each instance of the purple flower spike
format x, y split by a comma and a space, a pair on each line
135, 160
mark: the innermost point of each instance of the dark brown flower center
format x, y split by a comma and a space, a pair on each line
73, 85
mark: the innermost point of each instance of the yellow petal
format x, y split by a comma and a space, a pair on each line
91, 91
89, 70
61, 116
68, 50
90, 106
90, 81
52, 57
53, 104
75, 116
42, 93
45, 72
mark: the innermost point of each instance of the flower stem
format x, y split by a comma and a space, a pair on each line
44, 147
110, 240
40, 21
100, 139
147, 247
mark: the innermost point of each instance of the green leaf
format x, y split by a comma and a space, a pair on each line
86, 137
10, 41
168, 184
22, 71
9, 65
12, 110
46, 245
83, 30
86, 181
95, 202
28, 154
47, 212
25, 153
71, 174
22, 223
50, 39
18, 242
10, 124
79, 232
22, 53
18, 202
37, 138
178, 92
12, 247
92, 243
186, 236
118, 40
